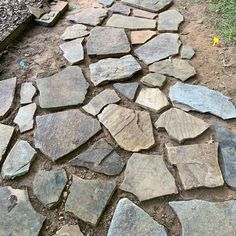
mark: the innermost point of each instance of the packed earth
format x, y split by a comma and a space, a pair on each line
118, 123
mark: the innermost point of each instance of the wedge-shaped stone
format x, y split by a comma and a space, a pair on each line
140, 37
66, 88
147, 177
120, 8
144, 14
180, 125
154, 80
197, 165
158, 48
27, 93
88, 198
131, 220
17, 216
75, 31
199, 217
131, 129
202, 99
180, 69
114, 69
127, 89
60, 133
69, 230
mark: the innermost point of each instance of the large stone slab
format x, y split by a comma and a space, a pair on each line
100, 158
154, 80
141, 36
69, 230
202, 99
75, 31
131, 129
197, 165
113, 69
88, 198
160, 47
60, 133
199, 217
147, 177
131, 220
127, 89
27, 93
66, 88
120, 8
180, 125
17, 216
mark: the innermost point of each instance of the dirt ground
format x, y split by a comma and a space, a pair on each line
39, 48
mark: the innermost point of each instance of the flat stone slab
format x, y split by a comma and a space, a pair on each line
106, 3
130, 22
154, 80
69, 230
140, 37
120, 8
7, 92
127, 89
197, 165
187, 52
131, 220
101, 158
160, 47
75, 31
131, 129
27, 93
113, 69
142, 174
18, 161
202, 99
180, 125
100, 45
178, 68
48, 186
144, 14
199, 217
66, 88
17, 216
88, 198
89, 16
153, 99
58, 134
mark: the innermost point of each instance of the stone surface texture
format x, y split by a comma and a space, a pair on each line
75, 31
120, 8
27, 93
187, 52
69, 230
154, 80
144, 14
140, 37
127, 89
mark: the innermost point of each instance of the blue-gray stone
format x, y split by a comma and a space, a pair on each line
127, 89
106, 3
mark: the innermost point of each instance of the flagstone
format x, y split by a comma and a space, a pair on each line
154, 80
187, 52
106, 3
120, 8
27, 93
140, 37
127, 89
144, 14
75, 31
69, 230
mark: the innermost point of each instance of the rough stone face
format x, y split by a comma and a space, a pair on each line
169, 21
100, 158
48, 186
120, 8
131, 129
73, 51
17, 216
180, 125
158, 48
27, 93
140, 37
113, 69
7, 92
66, 88
154, 80
89, 16
180, 69
131, 220
69, 230
199, 217
75, 31
153, 99
187, 52
18, 160
202, 99
147, 177
197, 165
60, 133
127, 89
88, 198
144, 14
100, 45
130, 22
106, 3
25, 117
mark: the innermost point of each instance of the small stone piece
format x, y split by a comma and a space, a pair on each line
66, 88
169, 21
75, 31
180, 125
113, 69
106, 3
88, 198
140, 37
180, 69
101, 158
69, 230
147, 177
202, 99
25, 117
120, 8
187, 52
158, 48
199, 217
144, 14
131, 220
27, 93
18, 160
127, 89
131, 129
154, 80
107, 96
48, 186
153, 99
197, 165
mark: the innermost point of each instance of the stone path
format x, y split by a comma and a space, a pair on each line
119, 131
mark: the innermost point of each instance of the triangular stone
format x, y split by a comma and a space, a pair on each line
127, 89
